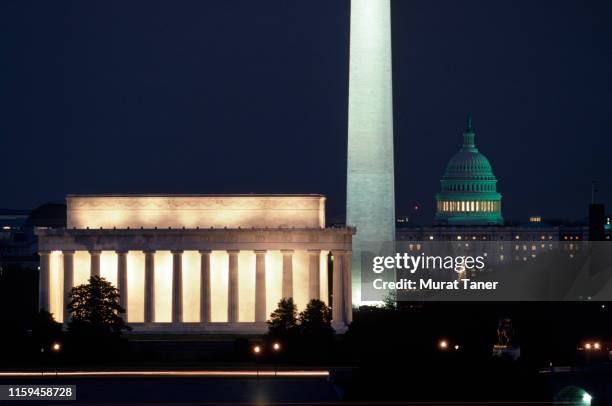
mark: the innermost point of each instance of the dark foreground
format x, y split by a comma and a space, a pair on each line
341, 387
201, 391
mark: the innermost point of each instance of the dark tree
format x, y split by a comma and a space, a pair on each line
45, 330
94, 331
96, 305
316, 333
283, 321
315, 320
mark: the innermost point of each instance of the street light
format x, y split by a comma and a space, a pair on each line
276, 347
443, 344
56, 347
257, 351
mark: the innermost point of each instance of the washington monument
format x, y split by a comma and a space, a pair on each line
370, 199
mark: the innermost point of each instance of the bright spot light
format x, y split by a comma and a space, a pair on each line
597, 346
56, 347
443, 344
586, 398
276, 346
456, 347
588, 346
257, 349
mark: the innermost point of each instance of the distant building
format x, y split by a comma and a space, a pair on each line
468, 209
468, 193
17, 240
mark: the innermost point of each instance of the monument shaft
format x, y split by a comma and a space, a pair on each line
370, 180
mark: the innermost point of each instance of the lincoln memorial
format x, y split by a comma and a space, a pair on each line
199, 263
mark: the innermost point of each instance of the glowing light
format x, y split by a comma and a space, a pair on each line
219, 274
82, 267
300, 279
276, 347
56, 347
135, 278
108, 266
307, 211
194, 373
191, 286
246, 286
257, 349
587, 398
443, 344
274, 279
163, 286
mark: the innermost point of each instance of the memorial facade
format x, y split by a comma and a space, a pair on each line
198, 263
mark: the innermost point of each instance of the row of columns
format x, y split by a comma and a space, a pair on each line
341, 300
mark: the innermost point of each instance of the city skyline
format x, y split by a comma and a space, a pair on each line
111, 103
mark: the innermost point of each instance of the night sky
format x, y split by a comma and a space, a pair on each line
249, 96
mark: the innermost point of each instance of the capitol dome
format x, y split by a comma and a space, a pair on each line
468, 193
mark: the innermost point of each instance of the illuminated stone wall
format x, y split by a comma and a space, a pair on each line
300, 211
201, 280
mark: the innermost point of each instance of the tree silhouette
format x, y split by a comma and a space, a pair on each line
95, 306
283, 321
315, 320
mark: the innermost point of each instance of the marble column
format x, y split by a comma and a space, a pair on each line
338, 290
68, 280
205, 286
314, 274
95, 262
232, 288
149, 282
287, 287
177, 286
43, 281
346, 279
122, 281
260, 286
